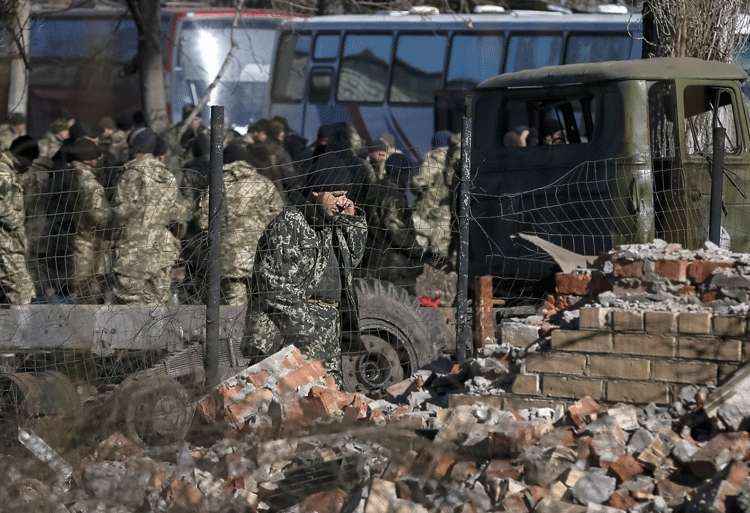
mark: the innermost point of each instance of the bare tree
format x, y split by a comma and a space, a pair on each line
706, 29
16, 15
147, 16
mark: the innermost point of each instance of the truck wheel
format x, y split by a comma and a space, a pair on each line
156, 409
397, 339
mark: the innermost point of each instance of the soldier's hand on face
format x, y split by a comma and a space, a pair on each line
345, 205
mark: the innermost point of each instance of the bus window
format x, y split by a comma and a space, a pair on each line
115, 39
533, 51
326, 47
321, 83
473, 59
418, 70
289, 81
597, 48
365, 68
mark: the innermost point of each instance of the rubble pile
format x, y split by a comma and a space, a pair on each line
661, 276
289, 440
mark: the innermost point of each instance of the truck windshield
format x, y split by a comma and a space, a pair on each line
204, 45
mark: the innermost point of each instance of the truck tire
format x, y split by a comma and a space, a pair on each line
397, 338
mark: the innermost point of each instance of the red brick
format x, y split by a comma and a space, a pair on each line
583, 411
331, 501
674, 270
573, 284
259, 378
621, 500
304, 375
626, 467
700, 271
503, 469
625, 269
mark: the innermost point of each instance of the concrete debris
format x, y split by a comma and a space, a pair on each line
281, 436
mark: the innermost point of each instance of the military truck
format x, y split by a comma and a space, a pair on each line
588, 156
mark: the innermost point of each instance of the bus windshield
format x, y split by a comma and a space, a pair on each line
204, 45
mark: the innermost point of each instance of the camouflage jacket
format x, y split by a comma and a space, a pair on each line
145, 205
12, 217
91, 212
49, 144
390, 223
251, 201
290, 264
7, 135
35, 182
433, 196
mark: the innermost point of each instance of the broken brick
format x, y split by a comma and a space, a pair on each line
719, 452
626, 467
331, 501
583, 411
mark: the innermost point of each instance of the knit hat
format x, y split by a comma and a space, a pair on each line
25, 147
234, 152
84, 149
441, 139
143, 141
333, 179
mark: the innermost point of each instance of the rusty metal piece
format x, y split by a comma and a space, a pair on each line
484, 322
45, 402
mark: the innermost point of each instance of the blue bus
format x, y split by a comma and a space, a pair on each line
406, 74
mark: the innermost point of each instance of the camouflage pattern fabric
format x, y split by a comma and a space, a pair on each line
291, 260
15, 280
432, 206
88, 249
393, 252
49, 144
146, 204
7, 135
251, 202
35, 183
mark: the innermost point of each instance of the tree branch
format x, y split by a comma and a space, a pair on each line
220, 74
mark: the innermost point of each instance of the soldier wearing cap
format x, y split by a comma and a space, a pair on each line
14, 126
145, 207
301, 290
50, 142
88, 249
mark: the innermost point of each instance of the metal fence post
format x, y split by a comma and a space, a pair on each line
463, 332
717, 185
215, 197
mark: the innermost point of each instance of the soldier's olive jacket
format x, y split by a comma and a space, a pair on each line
291, 261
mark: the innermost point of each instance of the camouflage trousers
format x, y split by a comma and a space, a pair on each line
142, 277
15, 281
86, 281
263, 337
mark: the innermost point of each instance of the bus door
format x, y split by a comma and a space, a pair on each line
321, 80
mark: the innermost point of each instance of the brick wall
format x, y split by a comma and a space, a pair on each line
637, 357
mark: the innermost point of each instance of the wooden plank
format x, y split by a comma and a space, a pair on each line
484, 322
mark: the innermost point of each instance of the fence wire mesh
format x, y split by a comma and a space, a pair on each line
344, 253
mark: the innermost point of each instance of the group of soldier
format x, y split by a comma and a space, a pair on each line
119, 215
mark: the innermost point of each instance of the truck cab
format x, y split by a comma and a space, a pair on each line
589, 156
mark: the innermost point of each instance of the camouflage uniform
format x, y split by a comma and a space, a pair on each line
252, 201
88, 249
393, 253
146, 204
49, 144
432, 206
294, 263
35, 182
15, 281
7, 136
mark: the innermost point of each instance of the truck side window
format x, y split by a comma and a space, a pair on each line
365, 68
418, 70
291, 66
547, 122
533, 51
703, 106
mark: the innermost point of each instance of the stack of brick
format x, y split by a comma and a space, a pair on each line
635, 356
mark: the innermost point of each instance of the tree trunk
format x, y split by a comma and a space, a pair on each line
18, 92
151, 65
